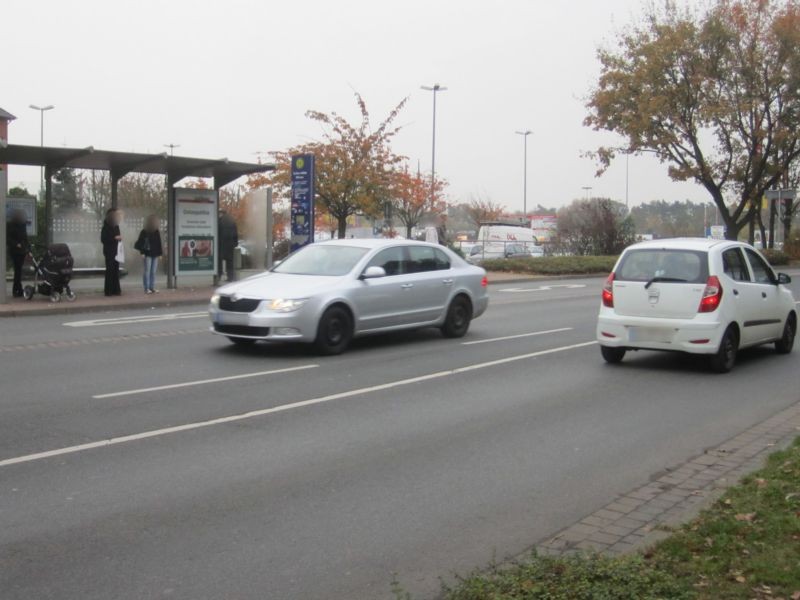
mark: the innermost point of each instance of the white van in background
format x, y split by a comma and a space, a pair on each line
497, 240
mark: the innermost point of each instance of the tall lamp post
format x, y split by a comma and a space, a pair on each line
42, 110
172, 148
587, 189
524, 135
436, 88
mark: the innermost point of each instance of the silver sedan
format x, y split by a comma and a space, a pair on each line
330, 292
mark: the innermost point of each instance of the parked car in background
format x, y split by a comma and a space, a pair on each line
330, 292
478, 253
709, 297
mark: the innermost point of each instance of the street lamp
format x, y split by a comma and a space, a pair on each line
436, 88
587, 189
525, 135
172, 148
41, 110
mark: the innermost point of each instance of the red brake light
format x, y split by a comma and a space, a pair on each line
712, 295
484, 281
608, 291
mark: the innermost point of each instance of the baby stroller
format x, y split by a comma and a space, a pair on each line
51, 274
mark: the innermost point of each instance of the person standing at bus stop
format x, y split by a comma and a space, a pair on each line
228, 240
17, 242
149, 245
110, 237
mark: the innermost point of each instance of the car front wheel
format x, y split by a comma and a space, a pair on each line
725, 358
334, 332
786, 343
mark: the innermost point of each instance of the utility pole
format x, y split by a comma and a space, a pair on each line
172, 148
436, 88
525, 135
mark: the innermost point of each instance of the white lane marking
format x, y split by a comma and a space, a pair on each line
136, 319
173, 386
516, 336
276, 409
543, 288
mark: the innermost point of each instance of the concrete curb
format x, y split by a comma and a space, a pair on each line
64, 308
642, 517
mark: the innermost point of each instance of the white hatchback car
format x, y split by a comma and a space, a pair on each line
698, 296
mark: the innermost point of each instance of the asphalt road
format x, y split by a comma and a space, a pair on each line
142, 457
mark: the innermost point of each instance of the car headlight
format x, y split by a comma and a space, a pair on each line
282, 305
215, 300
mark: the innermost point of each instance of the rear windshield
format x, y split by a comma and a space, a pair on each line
690, 266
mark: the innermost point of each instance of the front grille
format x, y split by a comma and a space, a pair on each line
243, 305
242, 330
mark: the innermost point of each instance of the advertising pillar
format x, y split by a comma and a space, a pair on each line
302, 210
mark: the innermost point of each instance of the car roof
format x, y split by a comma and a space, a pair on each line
376, 243
703, 244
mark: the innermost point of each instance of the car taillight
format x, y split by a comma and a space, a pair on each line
608, 292
484, 281
712, 295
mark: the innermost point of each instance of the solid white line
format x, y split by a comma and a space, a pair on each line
516, 336
173, 386
276, 409
135, 320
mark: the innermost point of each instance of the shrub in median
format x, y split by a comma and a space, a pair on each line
776, 258
553, 265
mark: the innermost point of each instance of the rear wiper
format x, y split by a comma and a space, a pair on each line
664, 279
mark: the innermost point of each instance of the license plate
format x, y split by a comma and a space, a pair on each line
650, 334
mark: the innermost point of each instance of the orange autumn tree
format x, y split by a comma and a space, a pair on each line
412, 201
354, 164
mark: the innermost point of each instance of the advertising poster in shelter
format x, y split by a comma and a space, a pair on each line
544, 227
196, 231
26, 204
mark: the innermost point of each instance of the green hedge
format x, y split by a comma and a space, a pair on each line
552, 265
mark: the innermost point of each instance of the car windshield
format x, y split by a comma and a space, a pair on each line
326, 260
663, 265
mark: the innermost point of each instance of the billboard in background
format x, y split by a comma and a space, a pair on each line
302, 209
196, 231
716, 232
27, 204
544, 227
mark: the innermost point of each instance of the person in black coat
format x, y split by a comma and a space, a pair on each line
17, 242
110, 237
149, 245
228, 240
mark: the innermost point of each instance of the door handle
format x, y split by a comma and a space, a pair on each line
763, 294
407, 286
447, 281
735, 292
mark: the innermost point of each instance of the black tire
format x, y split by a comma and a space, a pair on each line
334, 332
27, 292
725, 358
786, 343
612, 356
459, 316
242, 342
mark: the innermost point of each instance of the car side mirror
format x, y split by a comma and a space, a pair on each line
784, 279
373, 273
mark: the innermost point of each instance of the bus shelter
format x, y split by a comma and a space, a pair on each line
119, 164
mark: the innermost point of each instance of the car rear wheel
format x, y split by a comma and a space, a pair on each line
611, 355
725, 358
786, 343
244, 342
334, 332
459, 316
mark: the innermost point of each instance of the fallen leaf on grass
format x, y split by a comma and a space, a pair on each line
746, 517
740, 579
728, 501
761, 482
795, 596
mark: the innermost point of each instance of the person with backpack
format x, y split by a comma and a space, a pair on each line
149, 245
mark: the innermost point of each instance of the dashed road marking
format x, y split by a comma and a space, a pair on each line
516, 336
98, 340
543, 288
136, 319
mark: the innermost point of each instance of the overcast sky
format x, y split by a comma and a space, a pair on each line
236, 77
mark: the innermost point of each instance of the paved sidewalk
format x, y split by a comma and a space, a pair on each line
90, 298
644, 516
